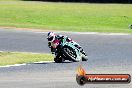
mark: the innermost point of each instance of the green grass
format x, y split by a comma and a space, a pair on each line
10, 0
67, 16
10, 58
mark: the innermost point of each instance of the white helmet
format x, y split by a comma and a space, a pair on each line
51, 36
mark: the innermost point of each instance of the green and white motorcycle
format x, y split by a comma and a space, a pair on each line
68, 51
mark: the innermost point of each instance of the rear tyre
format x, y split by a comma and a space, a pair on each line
59, 60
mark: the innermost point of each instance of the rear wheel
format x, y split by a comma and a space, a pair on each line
59, 59
70, 53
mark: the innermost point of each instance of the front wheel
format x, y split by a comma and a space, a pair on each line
70, 53
84, 58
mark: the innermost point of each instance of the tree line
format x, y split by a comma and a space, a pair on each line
88, 1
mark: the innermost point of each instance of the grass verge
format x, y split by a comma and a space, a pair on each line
67, 16
10, 58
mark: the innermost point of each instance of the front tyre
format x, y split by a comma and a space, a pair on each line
70, 53
84, 58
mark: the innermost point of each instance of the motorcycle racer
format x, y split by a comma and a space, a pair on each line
54, 39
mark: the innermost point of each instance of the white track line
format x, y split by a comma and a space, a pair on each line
16, 65
42, 62
88, 33
41, 31
97, 33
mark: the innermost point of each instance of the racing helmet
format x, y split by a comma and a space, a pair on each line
51, 36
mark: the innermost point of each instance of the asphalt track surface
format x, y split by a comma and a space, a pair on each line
107, 54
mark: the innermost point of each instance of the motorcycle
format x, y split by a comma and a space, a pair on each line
68, 51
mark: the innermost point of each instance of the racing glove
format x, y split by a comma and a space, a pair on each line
49, 44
